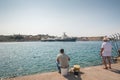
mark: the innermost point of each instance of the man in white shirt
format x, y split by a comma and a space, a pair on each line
106, 49
62, 60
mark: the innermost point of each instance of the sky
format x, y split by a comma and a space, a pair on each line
75, 17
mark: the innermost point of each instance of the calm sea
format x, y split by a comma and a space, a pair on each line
24, 58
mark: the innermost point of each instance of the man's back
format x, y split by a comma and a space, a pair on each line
107, 48
63, 60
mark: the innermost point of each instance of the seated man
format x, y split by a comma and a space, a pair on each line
62, 60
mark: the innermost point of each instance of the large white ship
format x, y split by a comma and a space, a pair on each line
63, 38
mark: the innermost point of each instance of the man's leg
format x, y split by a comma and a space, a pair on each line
104, 62
109, 61
58, 66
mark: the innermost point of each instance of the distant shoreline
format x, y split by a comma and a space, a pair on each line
30, 38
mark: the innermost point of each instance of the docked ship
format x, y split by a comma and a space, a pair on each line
64, 38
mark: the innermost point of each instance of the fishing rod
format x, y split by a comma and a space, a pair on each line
116, 41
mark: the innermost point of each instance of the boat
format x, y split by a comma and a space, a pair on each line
64, 38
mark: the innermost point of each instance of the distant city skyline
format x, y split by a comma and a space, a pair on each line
75, 17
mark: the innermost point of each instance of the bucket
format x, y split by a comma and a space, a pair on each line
64, 71
76, 69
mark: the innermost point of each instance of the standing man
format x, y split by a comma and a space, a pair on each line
62, 60
105, 52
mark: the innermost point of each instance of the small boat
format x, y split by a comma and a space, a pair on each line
64, 38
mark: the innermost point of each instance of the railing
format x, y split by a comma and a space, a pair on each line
115, 40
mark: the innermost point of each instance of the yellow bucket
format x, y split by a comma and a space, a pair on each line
76, 67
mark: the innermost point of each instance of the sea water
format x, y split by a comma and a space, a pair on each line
24, 58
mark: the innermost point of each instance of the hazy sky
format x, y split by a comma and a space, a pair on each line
53, 17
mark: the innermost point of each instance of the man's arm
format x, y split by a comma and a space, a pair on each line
68, 58
57, 59
101, 51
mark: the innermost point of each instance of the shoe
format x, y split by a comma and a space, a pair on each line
110, 68
105, 68
59, 72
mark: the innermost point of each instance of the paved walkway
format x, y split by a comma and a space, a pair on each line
89, 73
